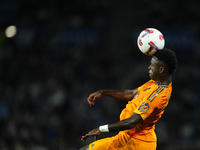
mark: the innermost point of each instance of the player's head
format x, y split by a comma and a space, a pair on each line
168, 58
163, 62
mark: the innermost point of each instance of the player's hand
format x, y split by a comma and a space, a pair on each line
96, 132
93, 97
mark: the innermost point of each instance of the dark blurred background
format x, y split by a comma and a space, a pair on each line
66, 49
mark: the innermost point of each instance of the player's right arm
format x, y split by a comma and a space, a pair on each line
124, 95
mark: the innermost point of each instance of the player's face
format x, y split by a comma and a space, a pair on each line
154, 68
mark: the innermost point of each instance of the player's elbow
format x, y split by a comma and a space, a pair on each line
134, 120
131, 123
130, 94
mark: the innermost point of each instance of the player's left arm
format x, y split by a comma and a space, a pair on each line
125, 124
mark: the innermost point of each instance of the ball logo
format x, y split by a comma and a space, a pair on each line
144, 107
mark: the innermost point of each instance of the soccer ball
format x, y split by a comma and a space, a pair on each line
150, 40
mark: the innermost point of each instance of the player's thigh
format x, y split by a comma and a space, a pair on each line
85, 148
102, 144
137, 144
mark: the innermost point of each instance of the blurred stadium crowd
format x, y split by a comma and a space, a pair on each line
65, 50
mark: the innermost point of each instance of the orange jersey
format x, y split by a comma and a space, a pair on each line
149, 103
122, 141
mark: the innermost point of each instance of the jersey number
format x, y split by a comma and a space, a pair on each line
144, 107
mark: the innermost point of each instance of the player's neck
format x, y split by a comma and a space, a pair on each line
164, 81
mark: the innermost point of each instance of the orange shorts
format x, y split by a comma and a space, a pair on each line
122, 141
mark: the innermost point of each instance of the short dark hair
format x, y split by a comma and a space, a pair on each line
168, 57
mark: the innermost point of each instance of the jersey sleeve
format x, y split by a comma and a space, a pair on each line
146, 107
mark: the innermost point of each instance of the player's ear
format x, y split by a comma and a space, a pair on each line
161, 70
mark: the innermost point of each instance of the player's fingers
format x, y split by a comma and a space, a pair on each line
84, 138
91, 103
94, 100
89, 99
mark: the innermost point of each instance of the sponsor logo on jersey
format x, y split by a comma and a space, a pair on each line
147, 89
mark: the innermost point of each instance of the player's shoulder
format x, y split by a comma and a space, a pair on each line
164, 91
160, 93
163, 95
167, 89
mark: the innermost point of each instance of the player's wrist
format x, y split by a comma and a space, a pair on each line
104, 128
102, 92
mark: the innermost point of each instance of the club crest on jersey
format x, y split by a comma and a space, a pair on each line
144, 107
